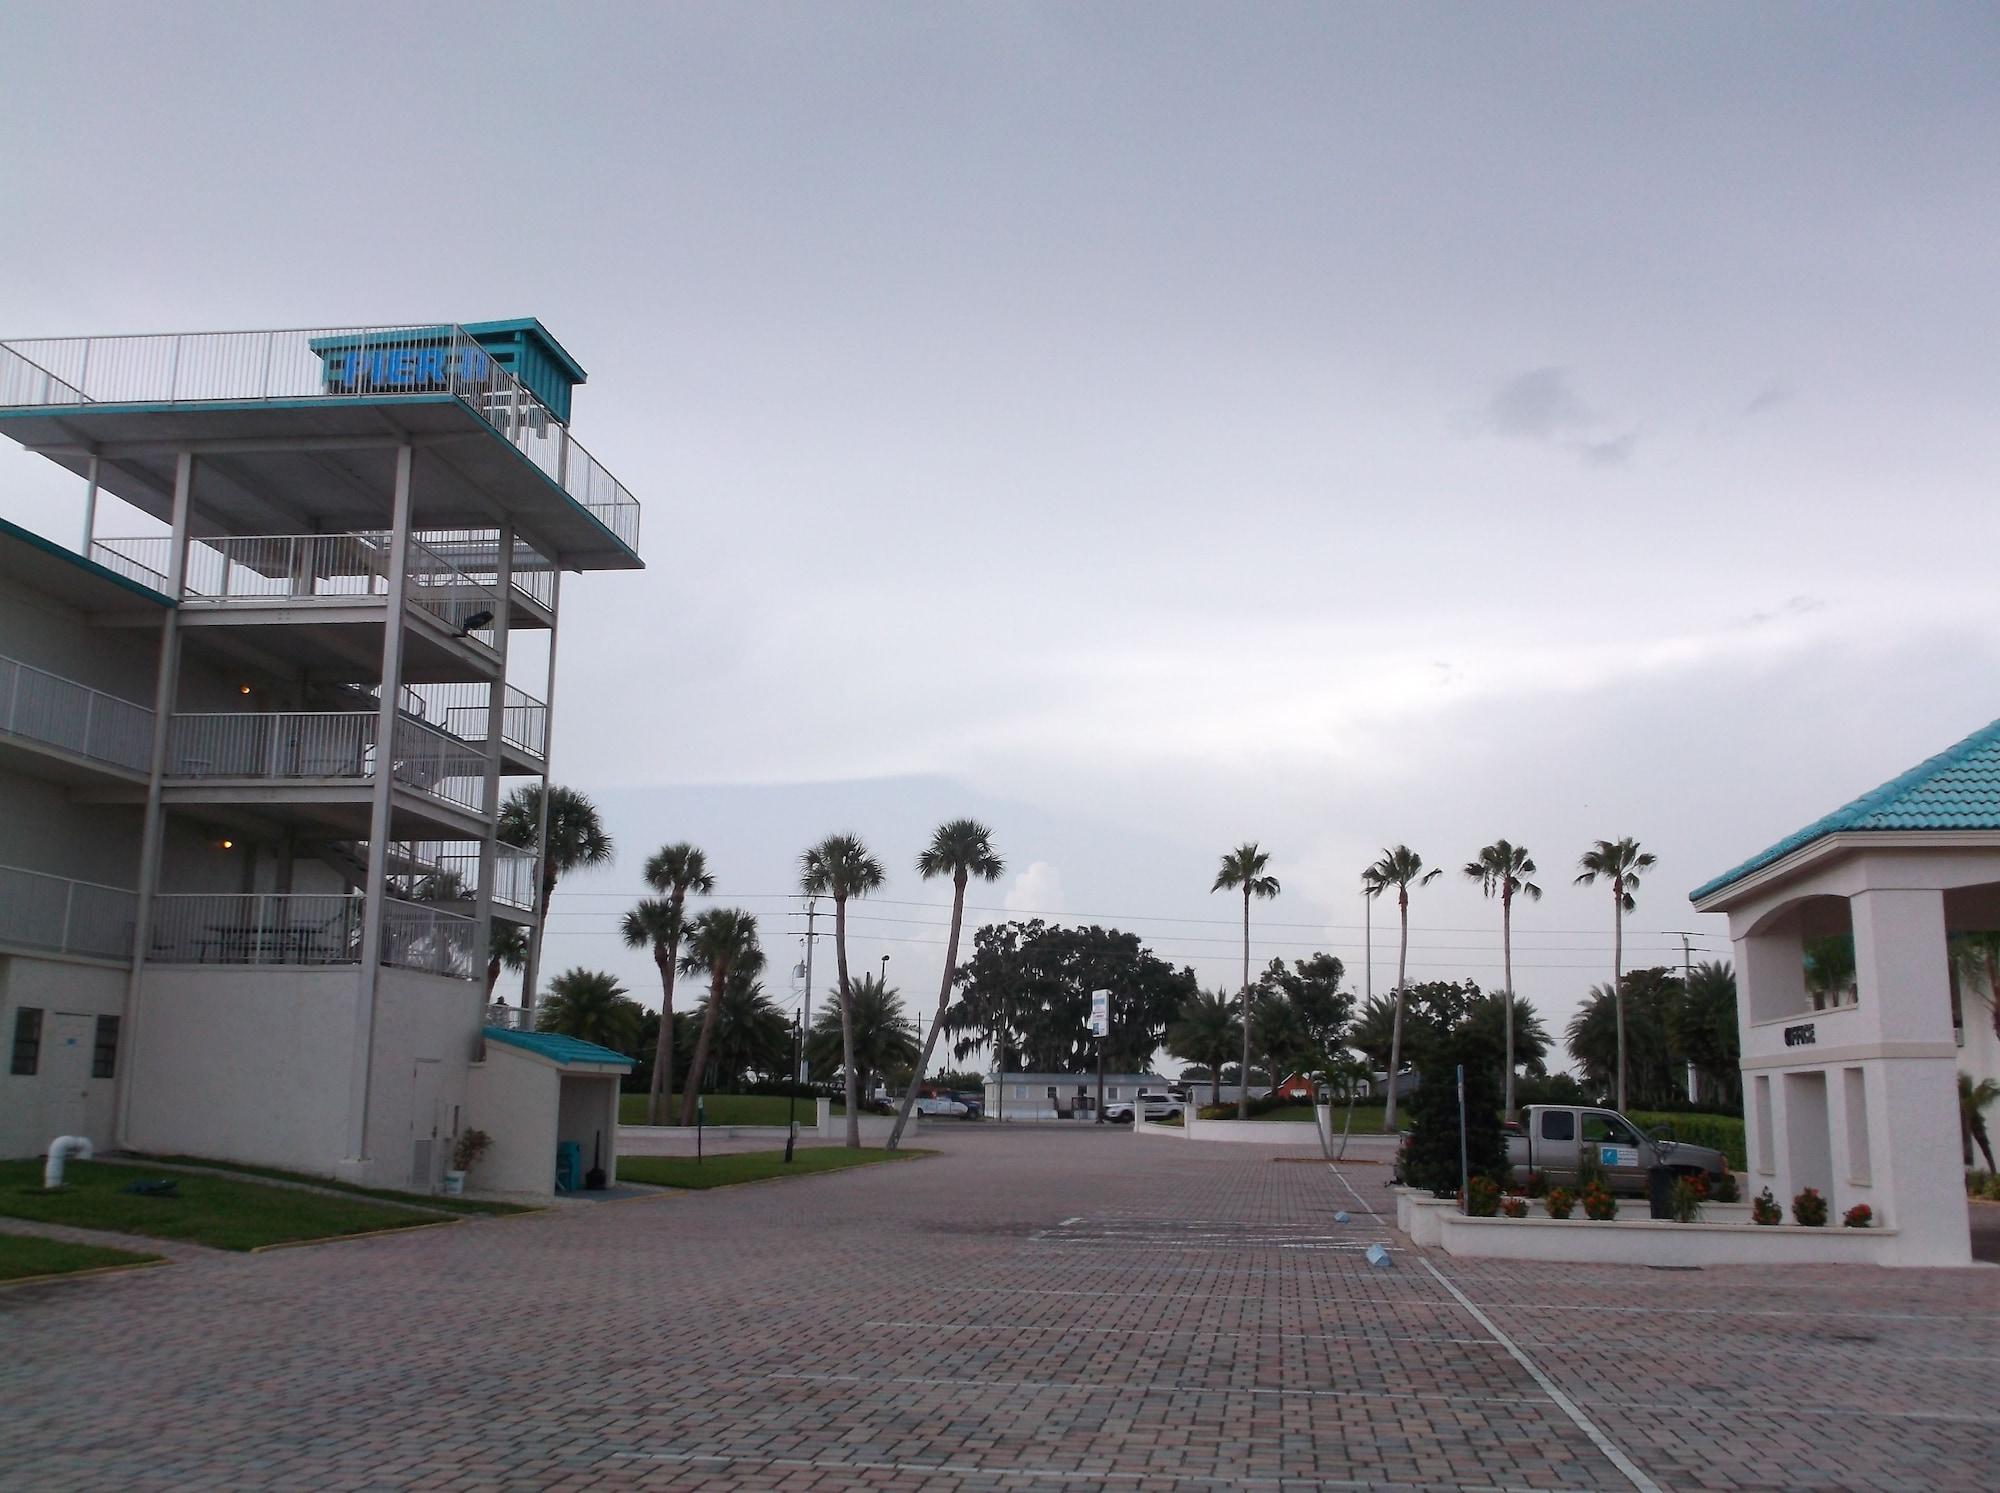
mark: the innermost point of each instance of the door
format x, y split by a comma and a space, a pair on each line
1618, 1150
425, 1135
68, 1043
1554, 1146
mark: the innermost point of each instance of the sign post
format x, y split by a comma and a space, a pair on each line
1464, 1172
1100, 1027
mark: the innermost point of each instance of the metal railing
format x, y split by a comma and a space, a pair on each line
58, 712
129, 567
477, 551
433, 762
284, 744
67, 916
510, 1018
417, 935
256, 928
449, 594
307, 363
451, 869
461, 709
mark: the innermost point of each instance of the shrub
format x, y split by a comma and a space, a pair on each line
1690, 1192
1726, 1190
1514, 1207
1857, 1217
1722, 1133
468, 1148
1538, 1184
1589, 1169
1433, 1161
1559, 1202
1765, 1209
1598, 1203
1482, 1197
1975, 1183
1809, 1209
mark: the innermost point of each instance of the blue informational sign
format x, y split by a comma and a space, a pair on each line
405, 368
1100, 1013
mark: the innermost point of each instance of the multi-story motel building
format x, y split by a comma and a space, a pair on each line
251, 767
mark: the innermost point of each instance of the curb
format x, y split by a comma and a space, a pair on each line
34, 1280
401, 1228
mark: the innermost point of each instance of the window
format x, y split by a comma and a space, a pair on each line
104, 1058
1558, 1124
1020, 1091
1113, 1091
1602, 1127
27, 1041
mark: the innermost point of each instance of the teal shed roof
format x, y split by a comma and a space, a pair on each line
1959, 788
558, 1048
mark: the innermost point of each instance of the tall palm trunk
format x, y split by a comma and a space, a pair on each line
663, 1050
1507, 969
846, 1026
492, 975
1243, 1089
944, 1000
1396, 1030
1618, 978
717, 978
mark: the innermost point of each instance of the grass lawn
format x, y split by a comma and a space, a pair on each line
380, 1194
23, 1255
727, 1109
748, 1166
217, 1211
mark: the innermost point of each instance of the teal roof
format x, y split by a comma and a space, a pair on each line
558, 1048
83, 563
1959, 788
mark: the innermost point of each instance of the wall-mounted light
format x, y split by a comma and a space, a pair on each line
226, 844
242, 689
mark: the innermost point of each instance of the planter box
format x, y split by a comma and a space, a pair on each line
1645, 1241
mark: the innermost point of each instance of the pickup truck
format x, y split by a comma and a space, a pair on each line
1157, 1106
1553, 1137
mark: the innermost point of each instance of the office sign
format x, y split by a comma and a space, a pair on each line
1100, 1013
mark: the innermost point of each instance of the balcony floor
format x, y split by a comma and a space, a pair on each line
334, 637
324, 464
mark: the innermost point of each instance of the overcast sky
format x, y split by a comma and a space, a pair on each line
1146, 426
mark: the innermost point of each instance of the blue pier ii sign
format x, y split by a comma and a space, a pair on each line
362, 365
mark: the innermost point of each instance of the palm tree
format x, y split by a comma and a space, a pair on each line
1502, 869
751, 1034
1618, 862
1400, 868
576, 839
1242, 870
1973, 1098
871, 1037
657, 922
1204, 1033
1979, 954
507, 944
593, 1007
841, 867
721, 942
960, 849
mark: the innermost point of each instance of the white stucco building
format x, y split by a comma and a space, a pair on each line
1062, 1096
251, 759
1853, 1091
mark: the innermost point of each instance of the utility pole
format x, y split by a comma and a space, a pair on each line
1367, 947
812, 912
1687, 983
792, 1102
1000, 1109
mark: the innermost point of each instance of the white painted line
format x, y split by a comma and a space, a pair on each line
1603, 1443
1068, 1221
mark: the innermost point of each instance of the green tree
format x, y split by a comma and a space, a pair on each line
656, 923
840, 867
1977, 959
1830, 969
1242, 870
1205, 1032
1400, 868
593, 1007
1313, 987
961, 850
576, 839
1514, 1028
507, 943
720, 942
872, 1037
1630, 1031
1702, 1029
751, 1034
1432, 1160
1617, 862
1280, 1033
1502, 870
1973, 1099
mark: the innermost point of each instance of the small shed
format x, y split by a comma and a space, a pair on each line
1854, 1014
537, 1094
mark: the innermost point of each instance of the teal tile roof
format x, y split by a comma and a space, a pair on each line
1959, 788
558, 1048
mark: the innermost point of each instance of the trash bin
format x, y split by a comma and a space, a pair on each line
1660, 1191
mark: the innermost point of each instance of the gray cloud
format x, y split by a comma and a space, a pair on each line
1770, 397
1541, 405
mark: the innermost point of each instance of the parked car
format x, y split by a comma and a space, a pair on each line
975, 1104
1157, 1106
1555, 1136
941, 1106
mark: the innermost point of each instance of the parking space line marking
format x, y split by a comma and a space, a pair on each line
1602, 1442
1068, 1221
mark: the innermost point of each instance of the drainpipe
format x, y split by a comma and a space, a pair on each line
61, 1149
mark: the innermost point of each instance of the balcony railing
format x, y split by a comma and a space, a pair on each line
64, 915
330, 362
46, 708
451, 870
274, 567
297, 744
461, 709
477, 551
271, 928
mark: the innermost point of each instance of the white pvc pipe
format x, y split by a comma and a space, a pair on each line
61, 1149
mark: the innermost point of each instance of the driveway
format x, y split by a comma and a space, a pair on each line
1031, 1309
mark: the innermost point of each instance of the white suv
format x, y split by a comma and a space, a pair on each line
1158, 1107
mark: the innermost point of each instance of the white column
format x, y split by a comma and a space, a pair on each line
166, 689
89, 504
376, 890
534, 969
496, 707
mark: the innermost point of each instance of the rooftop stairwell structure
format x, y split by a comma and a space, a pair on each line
358, 523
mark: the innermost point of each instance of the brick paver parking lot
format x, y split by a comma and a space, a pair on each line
1033, 1308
